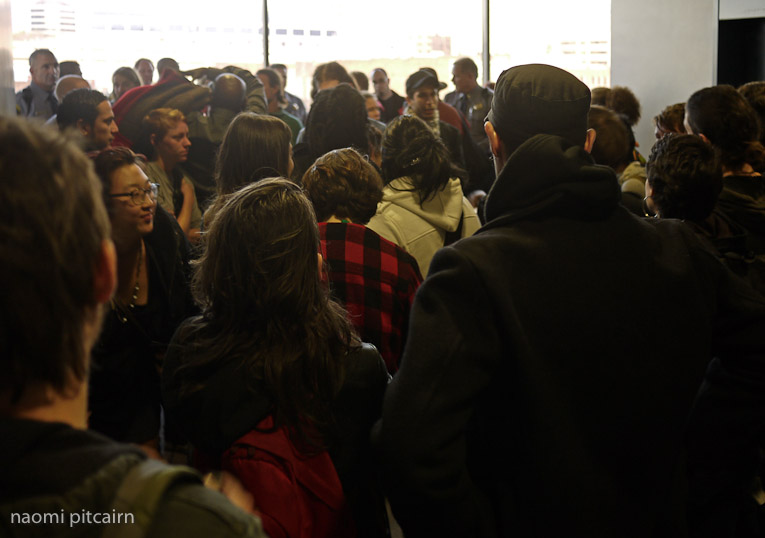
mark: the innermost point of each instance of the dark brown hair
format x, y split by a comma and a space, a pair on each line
729, 122
685, 176
52, 232
343, 183
613, 144
254, 147
264, 305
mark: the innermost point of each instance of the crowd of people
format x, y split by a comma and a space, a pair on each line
485, 315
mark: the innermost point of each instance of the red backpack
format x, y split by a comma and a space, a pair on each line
298, 496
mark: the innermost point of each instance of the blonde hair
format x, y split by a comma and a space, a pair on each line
160, 120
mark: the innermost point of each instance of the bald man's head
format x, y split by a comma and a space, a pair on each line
68, 83
229, 92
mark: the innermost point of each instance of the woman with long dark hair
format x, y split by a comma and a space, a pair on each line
255, 146
423, 208
273, 360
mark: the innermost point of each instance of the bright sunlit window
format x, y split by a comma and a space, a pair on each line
398, 35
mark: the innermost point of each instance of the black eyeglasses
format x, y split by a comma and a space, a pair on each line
138, 196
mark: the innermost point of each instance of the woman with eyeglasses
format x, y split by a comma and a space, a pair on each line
151, 299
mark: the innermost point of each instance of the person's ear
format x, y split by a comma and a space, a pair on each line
83, 127
105, 274
494, 142
589, 140
153, 140
704, 138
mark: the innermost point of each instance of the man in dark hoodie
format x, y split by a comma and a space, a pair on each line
59, 272
554, 357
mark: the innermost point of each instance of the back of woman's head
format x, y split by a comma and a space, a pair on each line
685, 176
338, 119
411, 149
343, 183
260, 264
254, 147
729, 122
265, 307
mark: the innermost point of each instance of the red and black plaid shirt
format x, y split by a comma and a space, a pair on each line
375, 280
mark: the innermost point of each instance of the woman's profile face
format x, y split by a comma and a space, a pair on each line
173, 148
128, 219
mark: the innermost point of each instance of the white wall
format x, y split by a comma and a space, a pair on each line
7, 102
664, 50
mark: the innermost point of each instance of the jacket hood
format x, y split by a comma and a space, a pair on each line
444, 210
548, 175
227, 403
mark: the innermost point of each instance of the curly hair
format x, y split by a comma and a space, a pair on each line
265, 307
52, 233
670, 120
622, 101
729, 122
411, 149
685, 175
338, 119
343, 183
613, 143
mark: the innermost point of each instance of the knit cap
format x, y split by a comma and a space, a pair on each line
539, 99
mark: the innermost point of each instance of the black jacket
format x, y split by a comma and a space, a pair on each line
553, 360
124, 382
230, 404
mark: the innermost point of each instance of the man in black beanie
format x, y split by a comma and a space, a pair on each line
554, 357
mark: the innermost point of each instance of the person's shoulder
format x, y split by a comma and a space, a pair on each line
366, 365
193, 510
448, 130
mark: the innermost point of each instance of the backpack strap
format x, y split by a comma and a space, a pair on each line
141, 492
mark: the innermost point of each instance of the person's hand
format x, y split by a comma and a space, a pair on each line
197, 73
475, 198
200, 73
229, 486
